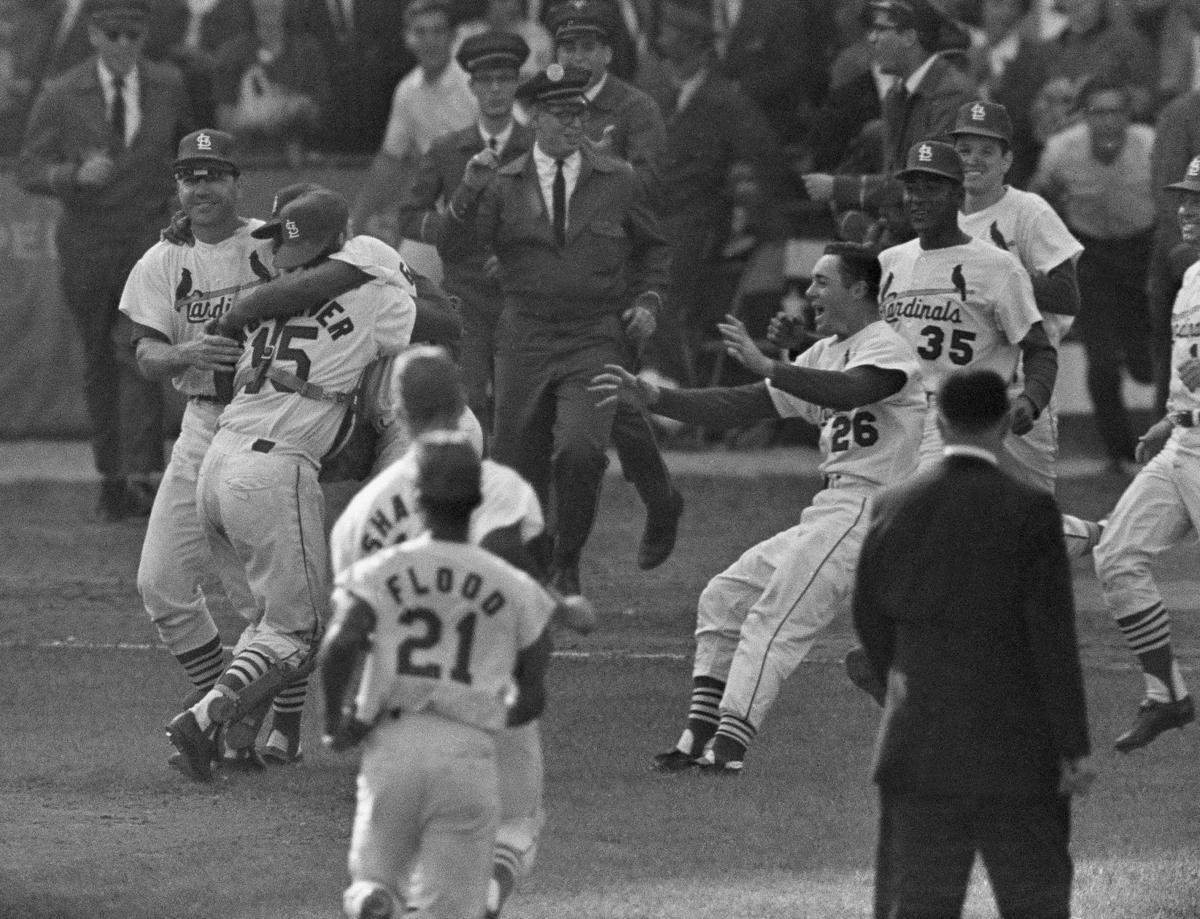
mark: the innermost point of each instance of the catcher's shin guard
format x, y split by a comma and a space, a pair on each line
242, 712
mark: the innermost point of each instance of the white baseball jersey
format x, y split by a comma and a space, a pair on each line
376, 258
961, 306
176, 290
328, 346
1025, 225
450, 620
1185, 340
878, 443
384, 513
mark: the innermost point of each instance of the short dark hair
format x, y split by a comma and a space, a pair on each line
430, 386
420, 7
1103, 82
973, 400
858, 263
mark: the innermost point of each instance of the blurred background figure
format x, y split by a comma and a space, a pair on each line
1096, 174
509, 16
23, 26
271, 85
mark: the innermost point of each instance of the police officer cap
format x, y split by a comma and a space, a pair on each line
688, 21
448, 469
205, 152
555, 84
306, 227
117, 12
1191, 178
492, 49
983, 119
932, 157
573, 18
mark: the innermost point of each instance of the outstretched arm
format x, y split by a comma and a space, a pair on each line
344, 644
716, 407
292, 294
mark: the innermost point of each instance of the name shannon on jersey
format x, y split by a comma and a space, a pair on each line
385, 526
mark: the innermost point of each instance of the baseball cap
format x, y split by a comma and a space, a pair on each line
448, 469
204, 151
983, 119
555, 84
1191, 178
492, 49
117, 12
306, 227
579, 17
932, 157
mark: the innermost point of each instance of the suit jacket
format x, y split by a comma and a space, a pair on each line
614, 248
440, 172
638, 134
69, 119
928, 115
963, 601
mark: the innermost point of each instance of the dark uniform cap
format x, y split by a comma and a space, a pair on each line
555, 84
306, 227
204, 151
448, 468
117, 12
932, 157
579, 17
983, 119
1191, 178
688, 21
492, 49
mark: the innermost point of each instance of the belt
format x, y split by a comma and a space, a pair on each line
1186, 419
210, 399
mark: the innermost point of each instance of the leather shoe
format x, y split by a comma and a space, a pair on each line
674, 761
658, 538
1152, 719
862, 675
197, 747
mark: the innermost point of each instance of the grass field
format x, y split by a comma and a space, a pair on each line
93, 824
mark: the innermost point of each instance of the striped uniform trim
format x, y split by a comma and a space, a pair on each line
248, 666
1148, 630
204, 665
505, 856
292, 698
737, 728
705, 707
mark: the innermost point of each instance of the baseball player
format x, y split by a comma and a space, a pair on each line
758, 619
170, 295
508, 522
446, 627
260, 504
1160, 508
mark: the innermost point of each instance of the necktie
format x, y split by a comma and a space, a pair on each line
895, 114
494, 146
117, 117
560, 204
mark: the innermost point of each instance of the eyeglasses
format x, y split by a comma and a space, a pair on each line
567, 117
131, 35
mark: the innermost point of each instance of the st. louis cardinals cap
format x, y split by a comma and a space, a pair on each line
306, 227
555, 84
492, 49
205, 151
932, 157
1191, 178
983, 119
573, 18
448, 469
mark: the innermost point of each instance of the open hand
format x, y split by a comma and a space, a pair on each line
740, 346
616, 384
1022, 415
480, 169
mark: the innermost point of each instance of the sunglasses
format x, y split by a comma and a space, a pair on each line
132, 35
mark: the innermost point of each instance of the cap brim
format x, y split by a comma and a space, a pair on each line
268, 230
202, 162
1184, 186
980, 132
570, 31
293, 255
922, 171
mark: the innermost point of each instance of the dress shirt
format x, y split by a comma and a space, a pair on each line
688, 88
914, 79
501, 139
964, 450
130, 92
591, 94
547, 167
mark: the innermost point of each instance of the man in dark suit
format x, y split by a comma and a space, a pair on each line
584, 266
101, 139
964, 607
493, 60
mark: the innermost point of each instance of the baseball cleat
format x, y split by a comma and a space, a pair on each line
576, 613
862, 675
282, 750
710, 765
674, 761
658, 538
197, 749
1152, 719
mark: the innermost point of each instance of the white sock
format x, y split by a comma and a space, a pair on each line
200, 709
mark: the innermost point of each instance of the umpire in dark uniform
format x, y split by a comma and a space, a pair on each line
584, 265
963, 603
101, 139
624, 122
493, 61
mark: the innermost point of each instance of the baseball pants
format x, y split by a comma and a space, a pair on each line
263, 517
521, 777
1159, 509
175, 553
760, 617
427, 793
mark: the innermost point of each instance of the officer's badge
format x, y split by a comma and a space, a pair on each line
555, 73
